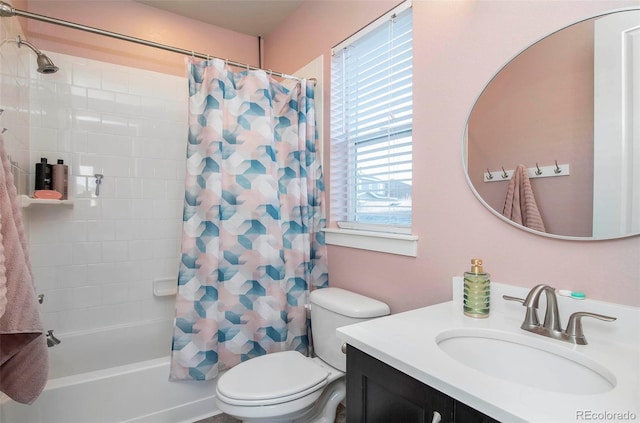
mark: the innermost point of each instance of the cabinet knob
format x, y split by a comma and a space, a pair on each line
344, 348
437, 418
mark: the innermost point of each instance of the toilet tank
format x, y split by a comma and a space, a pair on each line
332, 308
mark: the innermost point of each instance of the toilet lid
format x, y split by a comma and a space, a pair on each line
272, 376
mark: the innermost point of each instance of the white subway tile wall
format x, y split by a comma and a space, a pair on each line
95, 261
14, 99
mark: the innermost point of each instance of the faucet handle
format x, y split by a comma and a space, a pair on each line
531, 317
574, 330
510, 298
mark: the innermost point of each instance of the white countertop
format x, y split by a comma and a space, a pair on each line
407, 342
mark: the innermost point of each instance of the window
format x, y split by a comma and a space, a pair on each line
371, 125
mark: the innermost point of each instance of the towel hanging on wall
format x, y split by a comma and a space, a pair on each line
23, 350
520, 205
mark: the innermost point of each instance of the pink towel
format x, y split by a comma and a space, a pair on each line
520, 205
24, 364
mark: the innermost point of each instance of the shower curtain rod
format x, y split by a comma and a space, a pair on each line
6, 10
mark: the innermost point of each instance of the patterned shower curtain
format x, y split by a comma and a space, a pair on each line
251, 244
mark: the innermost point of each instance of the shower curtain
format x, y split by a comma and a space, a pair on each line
251, 245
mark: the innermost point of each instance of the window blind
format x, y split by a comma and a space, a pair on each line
371, 124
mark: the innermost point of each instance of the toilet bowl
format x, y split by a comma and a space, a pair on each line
281, 387
290, 387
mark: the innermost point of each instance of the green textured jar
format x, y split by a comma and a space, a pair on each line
477, 291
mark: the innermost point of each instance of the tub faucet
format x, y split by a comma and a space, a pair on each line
52, 341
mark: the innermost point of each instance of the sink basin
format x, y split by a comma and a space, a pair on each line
525, 361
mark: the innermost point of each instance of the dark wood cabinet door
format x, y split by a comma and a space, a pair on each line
378, 393
462, 413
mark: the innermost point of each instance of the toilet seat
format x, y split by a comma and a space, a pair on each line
271, 379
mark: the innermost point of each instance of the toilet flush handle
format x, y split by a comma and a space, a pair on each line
344, 348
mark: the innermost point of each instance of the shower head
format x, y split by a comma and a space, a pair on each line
45, 65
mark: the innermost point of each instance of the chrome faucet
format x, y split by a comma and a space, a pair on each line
551, 316
551, 326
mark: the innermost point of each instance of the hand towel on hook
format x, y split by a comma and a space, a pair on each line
520, 204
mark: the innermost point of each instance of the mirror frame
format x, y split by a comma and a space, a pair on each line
465, 142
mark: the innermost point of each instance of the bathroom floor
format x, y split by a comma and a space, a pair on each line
220, 418
223, 418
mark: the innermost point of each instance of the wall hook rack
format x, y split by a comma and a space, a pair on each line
533, 172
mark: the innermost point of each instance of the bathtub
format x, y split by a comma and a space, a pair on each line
118, 374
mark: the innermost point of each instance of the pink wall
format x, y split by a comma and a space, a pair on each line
458, 47
22, 5
135, 20
538, 109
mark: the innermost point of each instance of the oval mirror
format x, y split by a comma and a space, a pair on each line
565, 112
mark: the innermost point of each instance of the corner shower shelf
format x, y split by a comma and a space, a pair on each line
26, 201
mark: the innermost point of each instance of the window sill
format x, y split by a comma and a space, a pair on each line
404, 245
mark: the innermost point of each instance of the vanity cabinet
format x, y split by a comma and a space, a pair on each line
377, 392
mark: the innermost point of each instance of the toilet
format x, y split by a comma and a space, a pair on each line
290, 387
